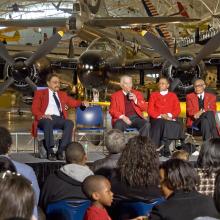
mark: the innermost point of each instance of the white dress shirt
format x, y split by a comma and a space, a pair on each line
52, 107
201, 94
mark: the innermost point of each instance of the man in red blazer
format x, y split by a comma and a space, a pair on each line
49, 109
127, 107
163, 109
200, 110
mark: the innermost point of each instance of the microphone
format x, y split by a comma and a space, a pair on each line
82, 107
128, 94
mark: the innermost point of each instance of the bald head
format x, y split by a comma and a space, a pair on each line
92, 184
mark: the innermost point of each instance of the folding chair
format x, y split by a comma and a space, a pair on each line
67, 210
57, 133
89, 124
131, 209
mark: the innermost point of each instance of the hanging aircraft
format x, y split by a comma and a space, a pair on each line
16, 37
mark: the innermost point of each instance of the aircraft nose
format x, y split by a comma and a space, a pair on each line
92, 70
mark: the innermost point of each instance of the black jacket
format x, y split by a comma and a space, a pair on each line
104, 166
123, 191
59, 186
184, 206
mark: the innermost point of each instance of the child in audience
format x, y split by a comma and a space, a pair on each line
98, 189
180, 154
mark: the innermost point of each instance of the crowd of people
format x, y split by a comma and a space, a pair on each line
131, 172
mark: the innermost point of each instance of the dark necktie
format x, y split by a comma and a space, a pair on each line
201, 103
57, 103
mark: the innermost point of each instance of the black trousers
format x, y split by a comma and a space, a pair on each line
164, 130
57, 122
139, 123
207, 124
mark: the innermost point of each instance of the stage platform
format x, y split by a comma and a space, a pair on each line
44, 167
23, 143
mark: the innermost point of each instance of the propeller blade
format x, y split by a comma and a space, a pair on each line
209, 48
5, 55
30, 83
160, 47
174, 84
45, 48
6, 84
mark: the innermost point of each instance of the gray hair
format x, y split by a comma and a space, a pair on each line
115, 141
124, 77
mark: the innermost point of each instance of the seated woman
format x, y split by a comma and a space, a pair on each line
208, 165
137, 175
178, 181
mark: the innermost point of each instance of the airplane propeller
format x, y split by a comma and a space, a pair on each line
160, 47
210, 47
20, 69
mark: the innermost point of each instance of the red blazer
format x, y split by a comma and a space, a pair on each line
117, 106
40, 103
192, 106
159, 104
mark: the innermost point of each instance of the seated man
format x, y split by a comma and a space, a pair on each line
200, 110
163, 109
66, 182
115, 144
49, 108
127, 107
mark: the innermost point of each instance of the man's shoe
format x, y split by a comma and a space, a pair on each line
52, 157
60, 156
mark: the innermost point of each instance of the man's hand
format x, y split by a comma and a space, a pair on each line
126, 120
140, 218
198, 114
85, 103
47, 117
166, 117
133, 97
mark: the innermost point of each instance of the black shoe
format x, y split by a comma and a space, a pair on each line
51, 157
60, 156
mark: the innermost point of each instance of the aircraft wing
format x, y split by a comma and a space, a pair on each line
121, 21
48, 22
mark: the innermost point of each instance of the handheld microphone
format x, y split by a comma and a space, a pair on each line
128, 94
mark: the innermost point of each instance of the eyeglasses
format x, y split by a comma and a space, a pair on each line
199, 85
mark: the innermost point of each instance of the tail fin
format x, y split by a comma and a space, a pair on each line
97, 9
182, 10
17, 34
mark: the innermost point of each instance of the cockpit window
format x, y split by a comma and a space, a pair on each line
103, 44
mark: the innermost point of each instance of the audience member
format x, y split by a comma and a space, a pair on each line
127, 107
178, 180
200, 110
23, 169
17, 197
163, 110
115, 143
49, 108
208, 165
6, 165
66, 182
98, 189
217, 192
180, 154
137, 174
